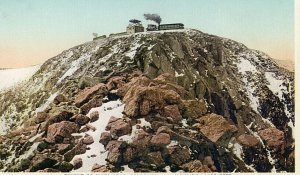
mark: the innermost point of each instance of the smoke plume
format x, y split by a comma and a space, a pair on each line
153, 17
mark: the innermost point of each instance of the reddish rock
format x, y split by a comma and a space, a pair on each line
80, 119
118, 127
114, 151
94, 116
43, 161
105, 138
141, 137
273, 137
134, 82
84, 129
41, 117
59, 99
195, 166
248, 140
63, 148
216, 128
100, 168
77, 163
93, 103
111, 120
88, 140
60, 116
163, 129
90, 127
179, 155
58, 131
115, 82
173, 112
86, 94
161, 139
149, 97
80, 148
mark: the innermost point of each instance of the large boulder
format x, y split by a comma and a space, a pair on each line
114, 151
88, 140
179, 155
118, 126
216, 128
86, 94
59, 116
139, 100
248, 140
273, 137
58, 131
115, 82
173, 112
80, 148
161, 139
80, 119
141, 81
105, 138
141, 139
93, 103
42, 161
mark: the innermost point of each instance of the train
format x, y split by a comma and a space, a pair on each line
153, 27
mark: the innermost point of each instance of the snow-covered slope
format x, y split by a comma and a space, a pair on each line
11, 77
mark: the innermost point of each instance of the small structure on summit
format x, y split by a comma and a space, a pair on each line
135, 26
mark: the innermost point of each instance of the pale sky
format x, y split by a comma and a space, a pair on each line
32, 31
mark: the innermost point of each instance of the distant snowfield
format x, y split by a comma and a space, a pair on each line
11, 77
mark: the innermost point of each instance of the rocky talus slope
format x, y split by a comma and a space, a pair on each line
174, 101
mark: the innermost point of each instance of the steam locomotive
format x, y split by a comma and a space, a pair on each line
152, 27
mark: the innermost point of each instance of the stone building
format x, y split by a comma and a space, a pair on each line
134, 28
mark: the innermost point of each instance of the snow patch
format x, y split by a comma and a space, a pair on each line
172, 144
245, 66
237, 149
184, 123
75, 65
178, 75
127, 169
11, 77
144, 123
97, 148
47, 103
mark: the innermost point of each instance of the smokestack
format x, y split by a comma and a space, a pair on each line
153, 17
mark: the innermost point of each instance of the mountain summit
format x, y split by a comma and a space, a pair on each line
162, 101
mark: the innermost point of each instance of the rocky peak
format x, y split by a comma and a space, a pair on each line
146, 102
